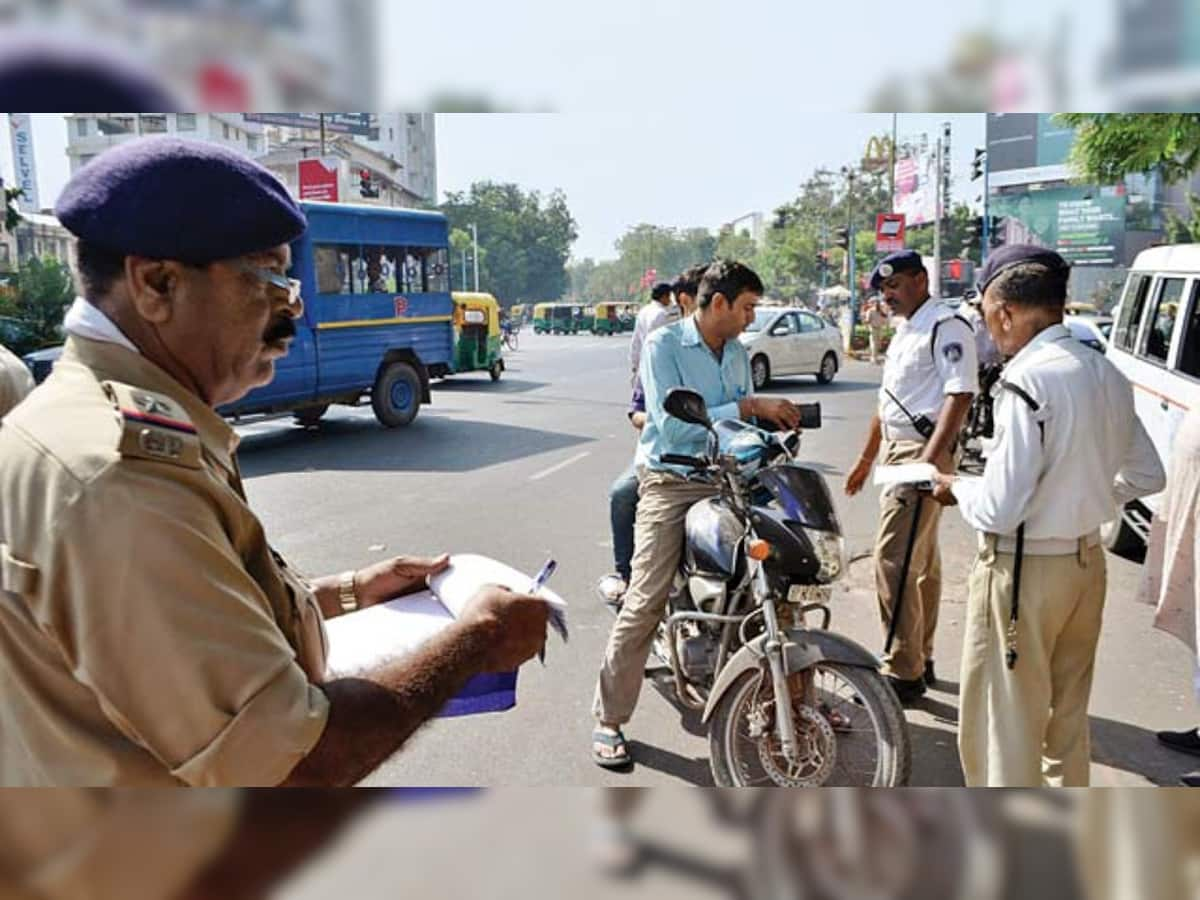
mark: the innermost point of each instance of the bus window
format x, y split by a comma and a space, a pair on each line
333, 269
1189, 358
380, 270
1131, 312
1162, 322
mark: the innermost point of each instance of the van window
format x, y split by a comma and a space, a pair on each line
333, 268
1131, 311
1161, 326
1189, 357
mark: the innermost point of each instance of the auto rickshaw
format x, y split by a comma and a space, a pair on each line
564, 318
628, 315
477, 334
607, 319
587, 319
541, 318
516, 312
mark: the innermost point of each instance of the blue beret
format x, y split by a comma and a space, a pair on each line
1011, 255
894, 264
45, 71
167, 198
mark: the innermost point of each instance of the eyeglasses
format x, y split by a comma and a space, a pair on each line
290, 286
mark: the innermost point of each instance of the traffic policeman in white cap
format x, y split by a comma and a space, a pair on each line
929, 378
1069, 452
149, 634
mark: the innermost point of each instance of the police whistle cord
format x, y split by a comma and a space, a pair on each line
1010, 655
908, 552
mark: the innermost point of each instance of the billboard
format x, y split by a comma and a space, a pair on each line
335, 123
24, 165
318, 179
1024, 148
916, 187
1086, 225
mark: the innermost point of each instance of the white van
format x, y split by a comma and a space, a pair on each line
1156, 344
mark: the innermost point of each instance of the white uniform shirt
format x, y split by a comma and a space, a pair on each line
650, 317
986, 351
1095, 456
921, 374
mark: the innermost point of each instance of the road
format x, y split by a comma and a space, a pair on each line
519, 470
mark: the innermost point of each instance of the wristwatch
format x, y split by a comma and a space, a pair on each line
346, 595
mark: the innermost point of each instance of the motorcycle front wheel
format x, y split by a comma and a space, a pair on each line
853, 734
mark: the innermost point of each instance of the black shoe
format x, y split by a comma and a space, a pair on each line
1191, 779
1183, 741
907, 690
930, 675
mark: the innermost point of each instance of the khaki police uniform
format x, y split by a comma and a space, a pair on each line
931, 355
1065, 429
15, 380
149, 635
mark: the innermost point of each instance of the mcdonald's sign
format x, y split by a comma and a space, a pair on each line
878, 155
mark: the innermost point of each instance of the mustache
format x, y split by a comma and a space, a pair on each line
279, 330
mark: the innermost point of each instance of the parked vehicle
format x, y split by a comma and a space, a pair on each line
606, 319
477, 335
791, 341
785, 704
1156, 344
40, 362
1093, 330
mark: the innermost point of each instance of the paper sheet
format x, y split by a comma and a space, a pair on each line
908, 473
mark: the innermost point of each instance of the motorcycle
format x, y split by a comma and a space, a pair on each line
979, 425
785, 704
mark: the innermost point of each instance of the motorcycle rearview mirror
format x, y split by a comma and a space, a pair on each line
687, 406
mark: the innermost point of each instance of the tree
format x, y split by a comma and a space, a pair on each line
524, 239
1109, 146
1184, 231
44, 291
11, 216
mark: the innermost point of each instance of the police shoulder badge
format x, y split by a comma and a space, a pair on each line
153, 426
953, 352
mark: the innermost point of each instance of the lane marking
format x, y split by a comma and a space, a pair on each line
562, 465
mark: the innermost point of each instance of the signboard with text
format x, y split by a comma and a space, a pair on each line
335, 123
318, 179
24, 165
1085, 225
889, 232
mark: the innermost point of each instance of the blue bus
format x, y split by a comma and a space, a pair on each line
377, 315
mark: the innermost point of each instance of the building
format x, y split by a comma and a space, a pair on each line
348, 172
410, 140
91, 134
37, 236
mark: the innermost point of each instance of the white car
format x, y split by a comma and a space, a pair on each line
1091, 330
791, 342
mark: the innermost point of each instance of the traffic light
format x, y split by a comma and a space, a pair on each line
996, 228
841, 238
366, 187
978, 164
974, 232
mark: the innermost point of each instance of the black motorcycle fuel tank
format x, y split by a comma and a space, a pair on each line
713, 539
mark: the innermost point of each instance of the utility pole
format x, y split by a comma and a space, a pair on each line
321, 121
475, 258
464, 268
935, 281
892, 167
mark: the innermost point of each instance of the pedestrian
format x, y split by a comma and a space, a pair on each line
1169, 580
149, 633
15, 380
929, 378
703, 353
876, 320
686, 286
1069, 452
660, 311
622, 511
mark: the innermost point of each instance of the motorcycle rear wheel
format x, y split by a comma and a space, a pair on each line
854, 704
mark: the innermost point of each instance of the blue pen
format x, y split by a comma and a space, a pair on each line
540, 579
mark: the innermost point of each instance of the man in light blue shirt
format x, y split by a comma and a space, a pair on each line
702, 353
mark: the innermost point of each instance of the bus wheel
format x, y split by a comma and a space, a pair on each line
396, 396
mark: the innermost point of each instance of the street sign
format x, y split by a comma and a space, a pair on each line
318, 179
889, 232
24, 164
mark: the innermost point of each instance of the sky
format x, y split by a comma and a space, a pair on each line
622, 169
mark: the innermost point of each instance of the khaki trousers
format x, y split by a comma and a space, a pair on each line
1028, 726
913, 644
663, 502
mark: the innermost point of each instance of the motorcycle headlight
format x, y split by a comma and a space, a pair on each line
830, 550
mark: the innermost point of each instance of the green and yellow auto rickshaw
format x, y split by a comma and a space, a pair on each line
586, 319
477, 334
541, 318
564, 318
627, 314
606, 319
516, 312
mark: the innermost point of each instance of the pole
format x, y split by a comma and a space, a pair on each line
321, 120
987, 237
850, 250
892, 167
935, 281
464, 268
475, 258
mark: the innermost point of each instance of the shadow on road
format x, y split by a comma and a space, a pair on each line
482, 382
692, 771
1120, 745
361, 444
935, 757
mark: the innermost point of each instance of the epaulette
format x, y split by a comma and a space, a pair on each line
154, 426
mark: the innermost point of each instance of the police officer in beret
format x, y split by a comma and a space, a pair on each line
929, 378
15, 380
149, 634
1069, 452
